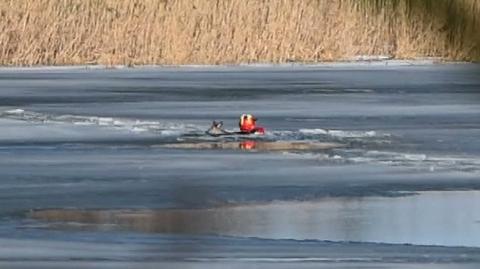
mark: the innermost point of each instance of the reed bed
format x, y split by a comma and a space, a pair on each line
136, 32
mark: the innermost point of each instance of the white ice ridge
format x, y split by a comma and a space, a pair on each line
340, 133
134, 125
418, 160
283, 259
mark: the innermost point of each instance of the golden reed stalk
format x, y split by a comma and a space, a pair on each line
60, 32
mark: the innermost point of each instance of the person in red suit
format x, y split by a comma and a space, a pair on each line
248, 124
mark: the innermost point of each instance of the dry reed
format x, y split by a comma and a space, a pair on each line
59, 32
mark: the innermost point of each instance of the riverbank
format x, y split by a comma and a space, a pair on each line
354, 63
125, 32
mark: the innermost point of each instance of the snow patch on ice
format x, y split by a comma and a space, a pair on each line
15, 111
313, 131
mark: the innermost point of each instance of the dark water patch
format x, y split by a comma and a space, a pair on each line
111, 249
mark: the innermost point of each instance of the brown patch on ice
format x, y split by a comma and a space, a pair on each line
238, 220
191, 221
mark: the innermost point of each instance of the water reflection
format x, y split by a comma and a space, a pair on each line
431, 218
248, 144
257, 145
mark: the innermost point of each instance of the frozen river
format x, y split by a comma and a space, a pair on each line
111, 167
